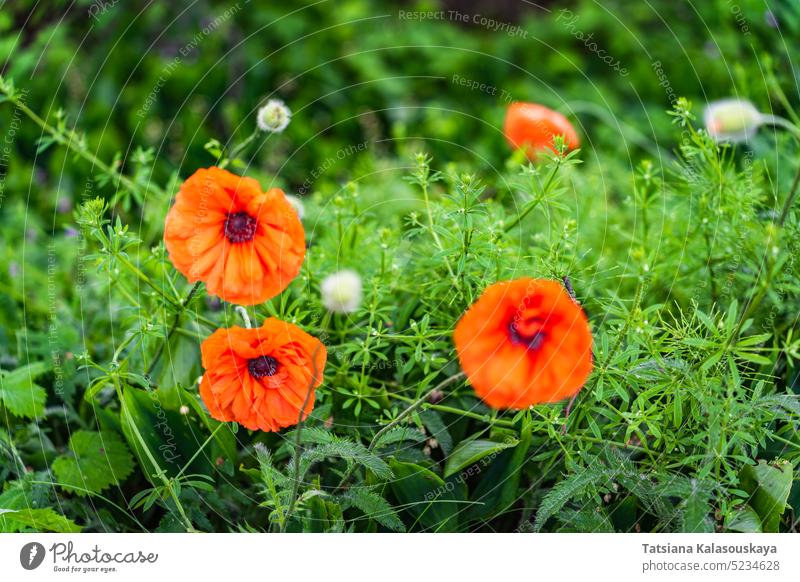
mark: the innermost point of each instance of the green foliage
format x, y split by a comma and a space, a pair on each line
35, 520
769, 486
374, 507
96, 461
681, 250
20, 394
469, 452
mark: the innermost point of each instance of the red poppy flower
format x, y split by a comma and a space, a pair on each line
244, 244
524, 342
532, 126
260, 377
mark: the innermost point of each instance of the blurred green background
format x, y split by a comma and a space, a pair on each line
171, 76
369, 85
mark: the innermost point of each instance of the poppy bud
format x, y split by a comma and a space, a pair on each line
732, 120
274, 117
436, 396
341, 292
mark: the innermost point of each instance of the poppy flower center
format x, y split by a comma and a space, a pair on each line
240, 227
528, 334
262, 366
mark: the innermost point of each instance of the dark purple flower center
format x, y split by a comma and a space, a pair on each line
530, 341
262, 366
240, 227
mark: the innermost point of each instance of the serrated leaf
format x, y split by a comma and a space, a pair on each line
20, 394
96, 461
399, 434
696, 510
566, 490
345, 449
44, 519
375, 507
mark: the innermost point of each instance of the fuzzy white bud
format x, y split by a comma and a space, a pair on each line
273, 117
341, 292
732, 120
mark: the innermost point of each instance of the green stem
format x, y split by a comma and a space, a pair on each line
783, 440
437, 240
159, 471
172, 329
537, 200
510, 424
465, 413
612, 121
197, 453
297, 442
399, 418
787, 205
782, 123
236, 150
69, 142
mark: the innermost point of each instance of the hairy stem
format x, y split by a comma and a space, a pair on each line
399, 418
297, 441
159, 471
172, 329
69, 142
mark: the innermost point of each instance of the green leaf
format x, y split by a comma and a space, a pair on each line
744, 520
497, 489
769, 485
432, 502
399, 434
374, 507
470, 452
96, 461
345, 449
20, 394
44, 519
696, 510
171, 437
566, 490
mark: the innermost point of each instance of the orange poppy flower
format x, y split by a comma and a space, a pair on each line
533, 127
244, 244
524, 342
260, 377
